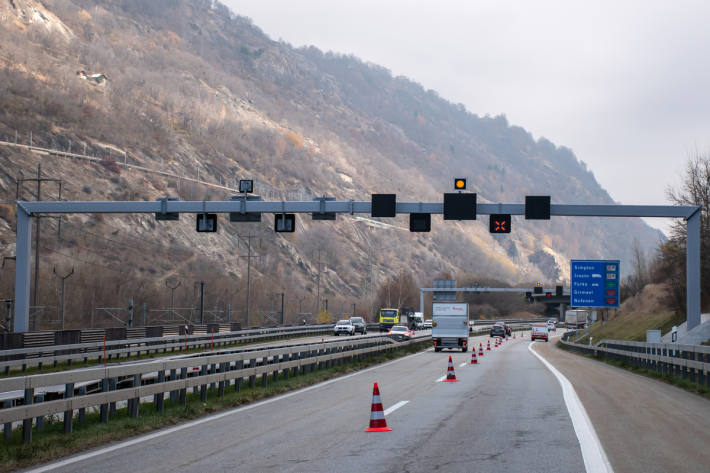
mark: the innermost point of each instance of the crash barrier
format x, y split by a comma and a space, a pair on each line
532, 320
689, 362
23, 358
105, 386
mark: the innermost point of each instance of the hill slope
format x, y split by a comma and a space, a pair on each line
193, 90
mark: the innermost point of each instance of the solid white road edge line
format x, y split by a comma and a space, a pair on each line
595, 460
462, 364
393, 408
440, 379
202, 420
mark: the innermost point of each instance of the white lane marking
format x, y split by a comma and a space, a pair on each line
462, 364
203, 420
393, 408
441, 379
595, 459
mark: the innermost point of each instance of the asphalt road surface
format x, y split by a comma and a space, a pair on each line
506, 414
644, 425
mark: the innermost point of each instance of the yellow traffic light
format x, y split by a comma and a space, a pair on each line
460, 183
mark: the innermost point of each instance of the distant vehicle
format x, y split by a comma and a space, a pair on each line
344, 326
360, 325
450, 325
388, 318
539, 332
391, 317
418, 320
426, 324
498, 330
400, 332
576, 318
552, 325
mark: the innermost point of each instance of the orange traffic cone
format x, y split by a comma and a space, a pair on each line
377, 414
480, 349
450, 374
474, 360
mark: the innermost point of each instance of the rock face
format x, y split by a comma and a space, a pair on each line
194, 91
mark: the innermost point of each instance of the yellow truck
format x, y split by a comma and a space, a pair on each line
388, 318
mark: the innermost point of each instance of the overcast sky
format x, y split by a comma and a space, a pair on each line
624, 84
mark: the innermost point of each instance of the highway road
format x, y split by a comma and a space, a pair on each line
506, 414
644, 425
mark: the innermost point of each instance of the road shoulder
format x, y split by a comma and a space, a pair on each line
644, 425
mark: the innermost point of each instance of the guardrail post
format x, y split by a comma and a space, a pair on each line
27, 423
112, 382
203, 387
183, 391
39, 420
252, 378
68, 414
220, 385
173, 377
276, 371
104, 407
286, 357
137, 381
160, 397
82, 410
239, 365
213, 369
8, 425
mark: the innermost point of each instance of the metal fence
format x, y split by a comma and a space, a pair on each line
105, 386
689, 362
23, 358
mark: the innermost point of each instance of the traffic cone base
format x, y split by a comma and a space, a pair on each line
377, 414
474, 360
450, 374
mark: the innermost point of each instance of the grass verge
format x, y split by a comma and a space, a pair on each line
52, 443
666, 378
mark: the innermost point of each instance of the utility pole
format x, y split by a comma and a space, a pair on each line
63, 278
172, 296
202, 302
283, 294
20, 184
247, 239
318, 285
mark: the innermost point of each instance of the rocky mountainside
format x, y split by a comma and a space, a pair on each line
184, 97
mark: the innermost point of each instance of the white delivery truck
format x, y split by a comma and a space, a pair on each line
418, 318
576, 318
450, 325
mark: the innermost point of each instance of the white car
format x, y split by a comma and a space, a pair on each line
344, 326
426, 324
551, 326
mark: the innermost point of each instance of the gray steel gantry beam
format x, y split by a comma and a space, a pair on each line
25, 209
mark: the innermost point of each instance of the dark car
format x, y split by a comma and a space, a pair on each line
498, 330
360, 325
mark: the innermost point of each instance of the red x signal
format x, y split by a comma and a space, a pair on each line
499, 223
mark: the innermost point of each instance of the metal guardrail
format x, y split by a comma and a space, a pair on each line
127, 383
690, 362
531, 320
39, 356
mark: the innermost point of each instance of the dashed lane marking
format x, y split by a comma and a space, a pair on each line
393, 408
